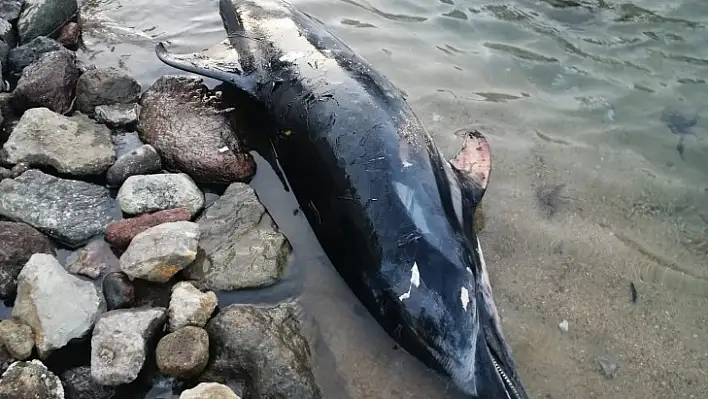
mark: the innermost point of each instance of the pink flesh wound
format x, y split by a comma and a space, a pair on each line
475, 158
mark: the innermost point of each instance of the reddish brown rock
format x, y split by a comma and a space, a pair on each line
70, 35
191, 129
120, 233
18, 242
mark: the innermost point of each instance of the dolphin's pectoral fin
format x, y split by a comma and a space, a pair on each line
219, 62
474, 164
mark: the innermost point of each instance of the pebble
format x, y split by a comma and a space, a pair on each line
70, 211
119, 345
143, 160
126, 142
18, 242
148, 193
93, 260
30, 380
57, 306
105, 86
70, 35
242, 247
189, 306
72, 145
19, 169
119, 234
563, 325
160, 252
608, 367
18, 339
188, 127
5, 173
183, 353
117, 115
118, 291
21, 56
209, 390
48, 82
78, 384
44, 17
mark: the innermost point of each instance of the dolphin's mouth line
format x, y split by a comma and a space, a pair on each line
511, 390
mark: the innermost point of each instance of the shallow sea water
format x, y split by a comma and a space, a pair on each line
588, 195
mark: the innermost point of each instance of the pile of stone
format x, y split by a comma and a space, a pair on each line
72, 138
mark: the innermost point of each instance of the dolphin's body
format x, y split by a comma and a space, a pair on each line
394, 217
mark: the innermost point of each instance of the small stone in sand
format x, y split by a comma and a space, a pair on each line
563, 325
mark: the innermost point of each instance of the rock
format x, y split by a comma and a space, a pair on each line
141, 194
192, 132
19, 169
70, 211
57, 305
93, 260
266, 343
117, 115
30, 380
240, 244
608, 366
141, 161
18, 242
17, 338
69, 36
118, 291
189, 306
10, 9
120, 342
5, 359
72, 145
5, 173
120, 233
183, 353
78, 384
563, 325
28, 53
105, 86
6, 108
48, 82
126, 142
209, 390
44, 17
7, 33
160, 252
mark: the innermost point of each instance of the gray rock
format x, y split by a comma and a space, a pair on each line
189, 306
105, 86
7, 33
5, 359
45, 18
4, 56
118, 291
57, 305
267, 345
28, 53
209, 390
18, 339
117, 115
192, 132
78, 384
93, 260
183, 353
30, 380
18, 242
143, 160
48, 82
126, 142
141, 194
19, 169
120, 342
70, 211
10, 9
160, 252
6, 108
75, 146
5, 173
240, 244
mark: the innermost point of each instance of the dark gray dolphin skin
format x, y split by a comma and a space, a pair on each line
392, 214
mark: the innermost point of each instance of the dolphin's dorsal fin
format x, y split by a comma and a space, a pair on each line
220, 62
473, 164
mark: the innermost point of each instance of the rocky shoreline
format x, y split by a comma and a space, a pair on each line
123, 179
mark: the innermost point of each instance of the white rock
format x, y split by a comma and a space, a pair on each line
209, 390
55, 304
160, 252
189, 306
563, 325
